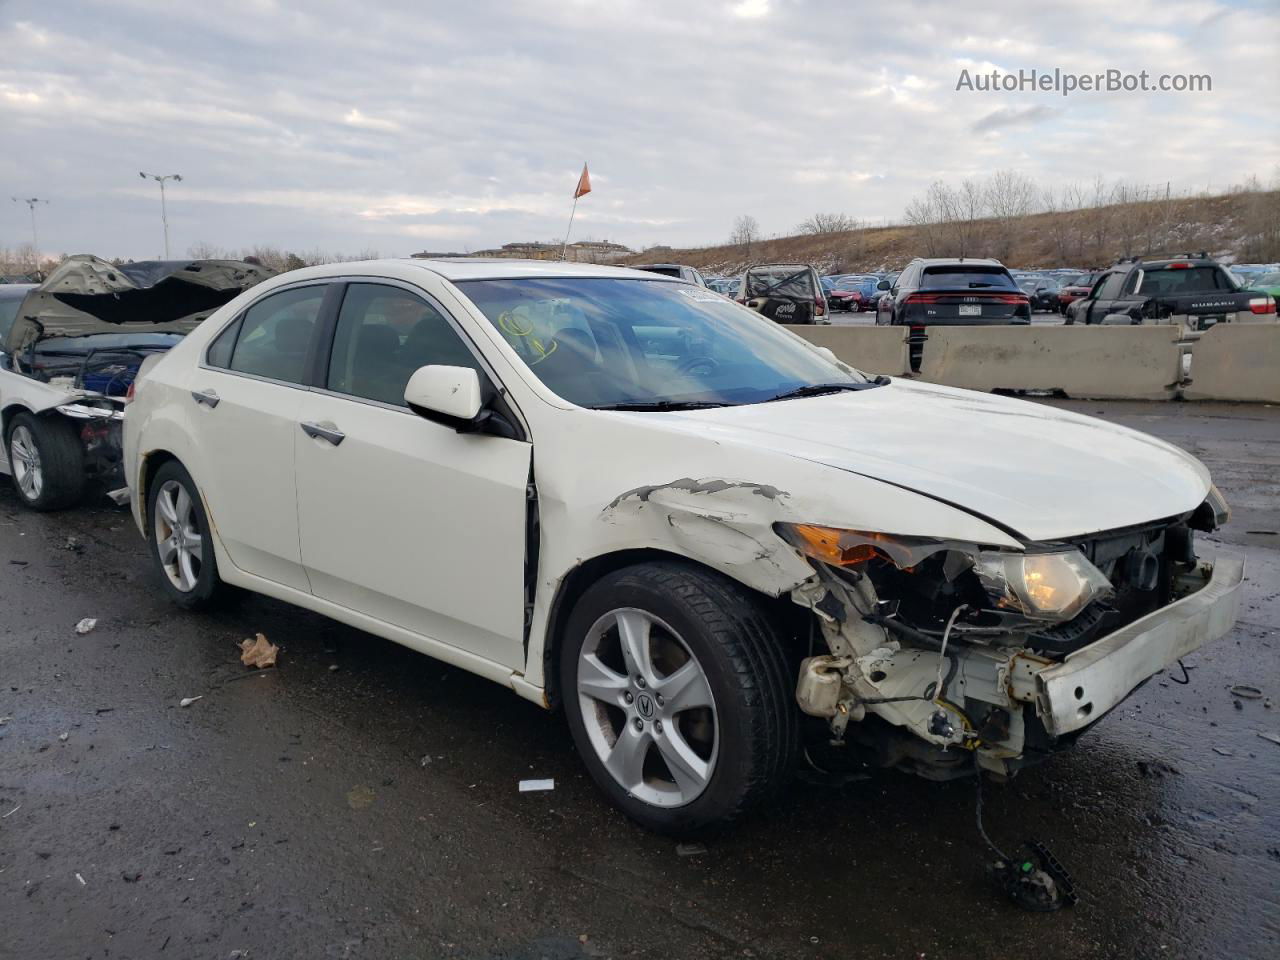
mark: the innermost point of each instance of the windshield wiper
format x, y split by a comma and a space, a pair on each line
642, 405
818, 389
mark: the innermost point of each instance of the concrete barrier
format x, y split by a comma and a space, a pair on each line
873, 349
1100, 363
1236, 361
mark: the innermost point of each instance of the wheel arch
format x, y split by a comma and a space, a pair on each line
787, 616
152, 461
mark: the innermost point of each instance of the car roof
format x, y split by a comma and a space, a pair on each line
481, 268
960, 262
478, 268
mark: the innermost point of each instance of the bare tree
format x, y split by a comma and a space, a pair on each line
925, 215
828, 223
1010, 196
204, 250
746, 231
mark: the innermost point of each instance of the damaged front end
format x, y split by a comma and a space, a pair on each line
942, 652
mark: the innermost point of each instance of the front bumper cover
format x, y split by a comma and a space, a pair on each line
1088, 683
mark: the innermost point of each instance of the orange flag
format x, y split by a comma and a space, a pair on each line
584, 184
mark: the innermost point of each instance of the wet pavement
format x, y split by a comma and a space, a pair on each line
372, 810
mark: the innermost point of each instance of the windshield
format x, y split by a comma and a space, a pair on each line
8, 311
946, 278
1169, 281
602, 342
785, 281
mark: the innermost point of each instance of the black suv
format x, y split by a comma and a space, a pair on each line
962, 292
1194, 291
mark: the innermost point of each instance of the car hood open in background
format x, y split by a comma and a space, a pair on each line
1044, 473
87, 295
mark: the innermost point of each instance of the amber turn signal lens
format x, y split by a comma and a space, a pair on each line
824, 543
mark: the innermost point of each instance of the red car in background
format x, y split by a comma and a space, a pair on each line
1075, 288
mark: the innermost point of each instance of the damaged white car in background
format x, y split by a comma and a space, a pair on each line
69, 350
706, 540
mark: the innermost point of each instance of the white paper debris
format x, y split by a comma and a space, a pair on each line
188, 701
529, 786
81, 879
85, 625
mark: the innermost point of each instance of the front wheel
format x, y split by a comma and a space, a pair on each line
181, 539
46, 461
678, 694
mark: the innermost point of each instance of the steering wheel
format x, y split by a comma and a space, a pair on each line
689, 364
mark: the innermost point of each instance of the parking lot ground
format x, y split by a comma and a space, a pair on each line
372, 810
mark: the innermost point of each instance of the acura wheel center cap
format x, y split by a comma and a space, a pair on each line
645, 706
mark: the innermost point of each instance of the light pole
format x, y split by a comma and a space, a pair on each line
164, 213
35, 237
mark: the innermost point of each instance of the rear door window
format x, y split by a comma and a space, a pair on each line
276, 334
383, 335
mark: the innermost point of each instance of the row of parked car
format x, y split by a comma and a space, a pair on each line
359, 440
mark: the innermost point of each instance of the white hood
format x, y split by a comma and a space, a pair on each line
1041, 472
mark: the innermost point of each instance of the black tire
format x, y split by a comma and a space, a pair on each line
746, 668
208, 588
61, 466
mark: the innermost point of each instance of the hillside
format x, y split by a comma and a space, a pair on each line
1242, 225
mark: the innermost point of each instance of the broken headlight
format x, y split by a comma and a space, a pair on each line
1041, 586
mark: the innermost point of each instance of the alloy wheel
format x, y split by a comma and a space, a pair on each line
24, 460
179, 541
648, 708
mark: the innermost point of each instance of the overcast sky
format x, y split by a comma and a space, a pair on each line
455, 126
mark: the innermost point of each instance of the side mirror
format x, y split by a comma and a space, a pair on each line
882, 285
455, 397
449, 392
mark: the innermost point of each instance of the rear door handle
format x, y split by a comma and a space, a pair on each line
209, 398
325, 431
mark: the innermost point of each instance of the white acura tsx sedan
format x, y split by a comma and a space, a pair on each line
704, 539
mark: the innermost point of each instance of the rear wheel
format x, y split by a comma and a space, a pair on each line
46, 461
180, 538
678, 694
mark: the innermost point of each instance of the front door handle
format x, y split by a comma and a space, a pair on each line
209, 398
325, 431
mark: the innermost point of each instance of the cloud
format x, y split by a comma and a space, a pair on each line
750, 9
324, 124
355, 118
1013, 117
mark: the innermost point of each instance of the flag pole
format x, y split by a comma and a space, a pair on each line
565, 246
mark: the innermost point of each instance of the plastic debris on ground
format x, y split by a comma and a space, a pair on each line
690, 849
188, 701
1246, 692
64, 737
119, 497
529, 786
85, 625
258, 652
